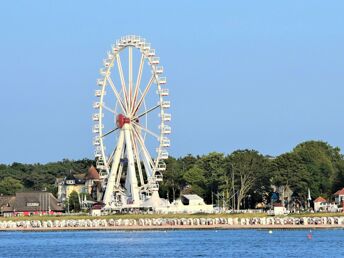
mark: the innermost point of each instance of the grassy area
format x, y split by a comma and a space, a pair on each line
139, 216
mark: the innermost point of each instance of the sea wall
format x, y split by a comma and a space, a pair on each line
265, 222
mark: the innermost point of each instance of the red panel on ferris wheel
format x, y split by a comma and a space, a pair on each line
121, 120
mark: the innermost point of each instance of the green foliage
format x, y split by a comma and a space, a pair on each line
73, 201
196, 181
247, 165
173, 180
9, 186
42, 177
288, 170
312, 164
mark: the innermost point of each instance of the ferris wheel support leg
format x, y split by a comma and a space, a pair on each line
131, 180
112, 176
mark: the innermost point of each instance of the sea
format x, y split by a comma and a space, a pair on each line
174, 243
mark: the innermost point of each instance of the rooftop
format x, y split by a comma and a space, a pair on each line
339, 192
320, 199
92, 173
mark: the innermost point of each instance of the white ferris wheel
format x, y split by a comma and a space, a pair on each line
131, 124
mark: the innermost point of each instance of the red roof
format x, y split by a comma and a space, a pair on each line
92, 173
339, 192
320, 199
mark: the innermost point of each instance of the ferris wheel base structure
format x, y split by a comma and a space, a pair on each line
154, 203
129, 150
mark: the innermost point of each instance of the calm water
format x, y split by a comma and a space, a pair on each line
183, 243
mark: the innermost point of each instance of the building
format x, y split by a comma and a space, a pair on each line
188, 203
279, 209
80, 183
339, 197
30, 203
320, 204
93, 183
6, 204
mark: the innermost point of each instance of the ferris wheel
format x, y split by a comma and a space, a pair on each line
131, 124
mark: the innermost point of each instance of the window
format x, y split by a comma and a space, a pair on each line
32, 204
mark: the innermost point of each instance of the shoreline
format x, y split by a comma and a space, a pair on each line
264, 223
177, 227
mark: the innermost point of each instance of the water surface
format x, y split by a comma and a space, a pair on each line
179, 243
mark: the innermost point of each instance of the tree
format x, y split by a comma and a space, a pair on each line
214, 167
9, 186
338, 182
73, 200
173, 179
322, 162
288, 170
196, 180
245, 164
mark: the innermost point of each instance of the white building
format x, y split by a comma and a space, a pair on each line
320, 204
279, 209
189, 203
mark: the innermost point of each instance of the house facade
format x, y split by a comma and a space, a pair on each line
320, 204
89, 184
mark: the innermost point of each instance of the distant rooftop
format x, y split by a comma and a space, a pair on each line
320, 199
339, 192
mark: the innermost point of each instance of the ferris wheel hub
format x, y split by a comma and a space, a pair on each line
121, 120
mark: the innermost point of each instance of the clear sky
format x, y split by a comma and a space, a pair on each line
262, 75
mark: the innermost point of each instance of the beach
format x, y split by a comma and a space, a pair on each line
174, 224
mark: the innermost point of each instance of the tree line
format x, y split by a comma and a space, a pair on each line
246, 177
240, 179
38, 177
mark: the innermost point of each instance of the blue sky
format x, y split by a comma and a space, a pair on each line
262, 75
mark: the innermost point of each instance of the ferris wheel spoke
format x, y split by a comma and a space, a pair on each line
146, 112
124, 89
112, 85
144, 94
109, 132
111, 157
138, 81
130, 76
144, 149
108, 109
146, 130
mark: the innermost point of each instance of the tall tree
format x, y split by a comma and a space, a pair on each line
245, 164
196, 181
73, 200
214, 167
288, 170
320, 159
173, 179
